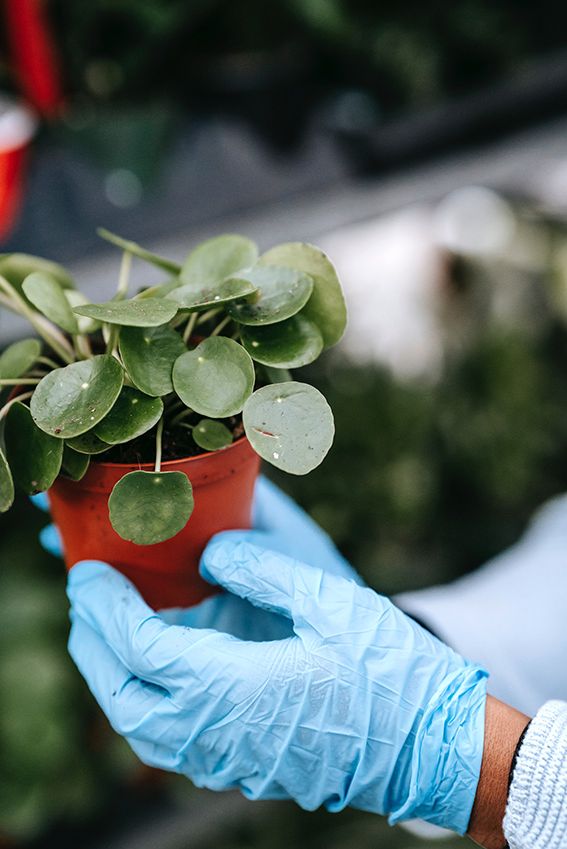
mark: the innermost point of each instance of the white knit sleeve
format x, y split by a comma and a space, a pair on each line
536, 814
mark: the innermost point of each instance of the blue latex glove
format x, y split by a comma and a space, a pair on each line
285, 528
359, 707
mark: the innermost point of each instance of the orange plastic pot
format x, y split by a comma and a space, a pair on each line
167, 573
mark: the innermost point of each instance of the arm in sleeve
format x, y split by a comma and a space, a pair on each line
510, 615
536, 813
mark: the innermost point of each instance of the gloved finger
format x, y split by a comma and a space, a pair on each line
274, 540
50, 539
231, 615
40, 501
137, 635
297, 534
129, 703
268, 579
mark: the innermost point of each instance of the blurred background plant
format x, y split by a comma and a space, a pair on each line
416, 53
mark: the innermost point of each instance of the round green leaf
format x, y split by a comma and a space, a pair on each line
290, 425
34, 457
18, 358
216, 378
282, 292
45, 293
218, 258
77, 299
326, 307
150, 312
192, 297
149, 354
132, 415
74, 465
211, 435
150, 507
70, 401
136, 250
288, 344
6, 484
88, 443
16, 267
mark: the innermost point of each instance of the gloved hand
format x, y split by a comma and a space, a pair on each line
285, 528
360, 707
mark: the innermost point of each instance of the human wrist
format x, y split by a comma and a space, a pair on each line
502, 731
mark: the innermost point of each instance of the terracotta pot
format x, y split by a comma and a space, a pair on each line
166, 573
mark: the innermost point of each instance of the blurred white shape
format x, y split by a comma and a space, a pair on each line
427, 830
550, 186
390, 269
123, 188
475, 220
17, 124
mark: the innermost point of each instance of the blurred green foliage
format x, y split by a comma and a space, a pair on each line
409, 53
60, 762
291, 828
425, 482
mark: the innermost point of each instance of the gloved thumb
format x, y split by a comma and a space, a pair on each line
266, 578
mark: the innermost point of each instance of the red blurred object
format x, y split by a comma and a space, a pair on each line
33, 55
17, 128
167, 573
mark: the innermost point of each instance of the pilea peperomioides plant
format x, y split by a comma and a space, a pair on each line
181, 368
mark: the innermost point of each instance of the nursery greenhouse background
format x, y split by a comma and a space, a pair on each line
424, 148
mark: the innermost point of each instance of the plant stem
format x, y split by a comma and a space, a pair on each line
23, 397
46, 361
124, 276
136, 249
172, 402
190, 327
21, 381
7, 302
221, 325
83, 346
159, 434
180, 416
205, 316
113, 330
112, 342
44, 328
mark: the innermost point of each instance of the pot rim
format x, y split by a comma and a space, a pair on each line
166, 463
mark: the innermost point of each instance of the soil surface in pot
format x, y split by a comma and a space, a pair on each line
177, 444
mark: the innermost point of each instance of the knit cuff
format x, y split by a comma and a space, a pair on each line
536, 813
